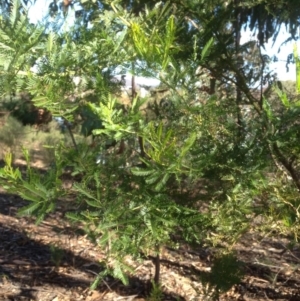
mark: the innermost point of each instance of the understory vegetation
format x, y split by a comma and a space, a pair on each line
209, 155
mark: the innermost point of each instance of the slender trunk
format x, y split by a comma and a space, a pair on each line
157, 268
67, 124
239, 67
133, 86
212, 86
262, 78
286, 164
141, 145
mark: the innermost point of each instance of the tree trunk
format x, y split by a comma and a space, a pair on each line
239, 67
157, 269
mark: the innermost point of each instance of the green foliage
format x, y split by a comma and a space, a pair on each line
41, 190
146, 34
296, 58
204, 166
156, 293
19, 46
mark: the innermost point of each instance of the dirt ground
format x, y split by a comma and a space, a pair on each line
56, 262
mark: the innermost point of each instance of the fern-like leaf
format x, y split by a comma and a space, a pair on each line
141, 172
162, 183
206, 49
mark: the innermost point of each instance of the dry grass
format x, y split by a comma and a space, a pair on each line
40, 142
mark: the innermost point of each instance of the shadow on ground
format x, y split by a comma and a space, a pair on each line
29, 267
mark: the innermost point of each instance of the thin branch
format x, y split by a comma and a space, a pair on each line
67, 124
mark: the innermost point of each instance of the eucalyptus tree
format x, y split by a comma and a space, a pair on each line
227, 61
